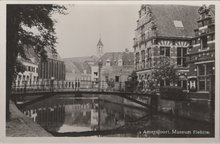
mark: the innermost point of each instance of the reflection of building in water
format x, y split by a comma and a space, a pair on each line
94, 117
50, 118
77, 118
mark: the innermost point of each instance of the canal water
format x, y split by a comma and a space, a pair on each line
92, 116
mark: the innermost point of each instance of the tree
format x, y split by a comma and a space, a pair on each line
19, 19
110, 82
166, 70
132, 83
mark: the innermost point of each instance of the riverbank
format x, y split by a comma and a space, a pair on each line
22, 126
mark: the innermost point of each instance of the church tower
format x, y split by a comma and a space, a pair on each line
99, 48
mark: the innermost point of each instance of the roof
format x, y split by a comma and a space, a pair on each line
30, 54
100, 42
212, 9
52, 55
113, 57
165, 15
79, 64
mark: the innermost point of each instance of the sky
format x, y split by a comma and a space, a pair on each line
78, 32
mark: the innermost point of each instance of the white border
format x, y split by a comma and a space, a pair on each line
102, 140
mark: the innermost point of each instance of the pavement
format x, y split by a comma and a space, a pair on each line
22, 126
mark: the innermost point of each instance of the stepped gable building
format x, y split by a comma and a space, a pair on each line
201, 56
52, 68
164, 31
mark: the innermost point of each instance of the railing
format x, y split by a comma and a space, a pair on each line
77, 85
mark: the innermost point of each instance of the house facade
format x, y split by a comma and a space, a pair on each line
201, 56
164, 32
116, 67
52, 68
30, 75
80, 69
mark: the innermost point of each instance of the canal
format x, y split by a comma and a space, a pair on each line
93, 116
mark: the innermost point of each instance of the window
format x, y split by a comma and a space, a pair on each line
19, 77
182, 83
204, 42
165, 51
149, 60
167, 81
164, 82
178, 24
212, 37
106, 78
96, 73
120, 62
201, 83
181, 56
203, 72
107, 62
116, 78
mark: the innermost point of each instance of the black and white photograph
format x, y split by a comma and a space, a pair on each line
136, 70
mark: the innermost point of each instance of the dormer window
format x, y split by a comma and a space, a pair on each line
178, 24
108, 62
120, 62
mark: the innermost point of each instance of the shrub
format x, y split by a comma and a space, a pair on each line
172, 93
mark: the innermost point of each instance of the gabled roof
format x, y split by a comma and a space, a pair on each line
79, 64
52, 55
212, 10
165, 15
114, 57
31, 55
100, 42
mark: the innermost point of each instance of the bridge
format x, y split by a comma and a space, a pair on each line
42, 90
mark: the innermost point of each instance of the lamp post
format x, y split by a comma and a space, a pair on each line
52, 80
99, 66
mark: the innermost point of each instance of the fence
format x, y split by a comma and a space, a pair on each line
55, 85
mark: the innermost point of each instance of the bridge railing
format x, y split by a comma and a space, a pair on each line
77, 85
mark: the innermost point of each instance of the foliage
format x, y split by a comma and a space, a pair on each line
132, 83
173, 93
21, 19
110, 82
165, 70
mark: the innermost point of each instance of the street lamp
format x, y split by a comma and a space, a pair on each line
52, 80
100, 66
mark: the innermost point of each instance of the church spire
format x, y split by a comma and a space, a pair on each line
100, 48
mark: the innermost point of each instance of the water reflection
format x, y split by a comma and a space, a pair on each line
97, 117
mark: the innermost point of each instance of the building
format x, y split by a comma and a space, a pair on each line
116, 67
164, 31
52, 68
30, 75
79, 69
201, 56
